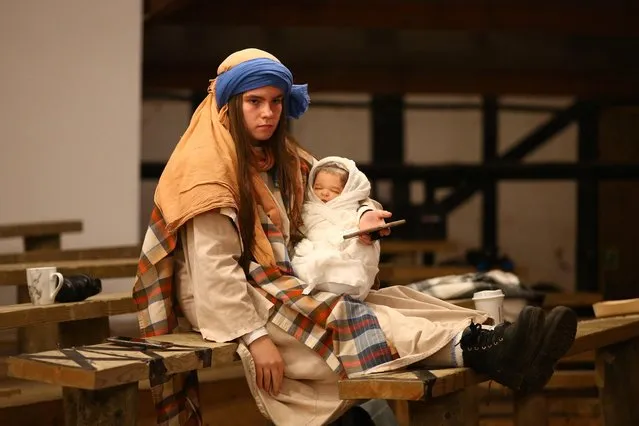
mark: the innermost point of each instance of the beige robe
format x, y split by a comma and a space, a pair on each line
219, 302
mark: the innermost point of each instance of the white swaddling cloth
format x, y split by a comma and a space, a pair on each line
324, 260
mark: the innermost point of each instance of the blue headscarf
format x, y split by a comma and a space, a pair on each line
261, 72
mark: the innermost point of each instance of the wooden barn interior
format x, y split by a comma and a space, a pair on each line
506, 134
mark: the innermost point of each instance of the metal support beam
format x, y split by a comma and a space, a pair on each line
388, 146
490, 122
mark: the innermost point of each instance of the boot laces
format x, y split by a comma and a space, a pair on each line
484, 339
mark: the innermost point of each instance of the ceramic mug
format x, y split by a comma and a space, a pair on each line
44, 284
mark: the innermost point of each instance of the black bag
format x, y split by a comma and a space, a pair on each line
77, 288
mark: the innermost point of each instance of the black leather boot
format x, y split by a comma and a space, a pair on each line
505, 353
559, 334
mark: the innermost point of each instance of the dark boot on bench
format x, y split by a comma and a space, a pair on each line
559, 334
77, 288
505, 353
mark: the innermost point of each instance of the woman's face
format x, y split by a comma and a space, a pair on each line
262, 109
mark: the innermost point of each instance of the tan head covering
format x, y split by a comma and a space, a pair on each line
201, 173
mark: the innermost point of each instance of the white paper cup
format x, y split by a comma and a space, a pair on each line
491, 302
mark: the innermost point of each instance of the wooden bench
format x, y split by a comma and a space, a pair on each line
225, 400
101, 306
14, 273
100, 382
406, 274
449, 396
223, 389
415, 246
72, 323
40, 236
115, 252
414, 252
552, 300
44, 337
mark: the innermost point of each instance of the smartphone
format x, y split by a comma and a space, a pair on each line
375, 231
137, 342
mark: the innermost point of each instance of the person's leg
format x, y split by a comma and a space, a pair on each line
432, 333
308, 395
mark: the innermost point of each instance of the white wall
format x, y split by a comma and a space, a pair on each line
70, 119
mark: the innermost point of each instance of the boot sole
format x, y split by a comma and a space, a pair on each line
560, 332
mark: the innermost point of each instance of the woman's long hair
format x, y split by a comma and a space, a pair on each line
285, 165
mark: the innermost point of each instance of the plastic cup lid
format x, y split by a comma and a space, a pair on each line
487, 294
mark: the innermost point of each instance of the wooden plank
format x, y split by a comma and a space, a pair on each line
116, 252
104, 407
614, 18
417, 246
156, 9
411, 385
39, 229
393, 79
15, 274
100, 305
459, 408
598, 333
582, 357
572, 300
531, 410
617, 373
561, 380
106, 365
394, 274
223, 403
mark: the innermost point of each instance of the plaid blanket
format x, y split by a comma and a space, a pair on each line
342, 330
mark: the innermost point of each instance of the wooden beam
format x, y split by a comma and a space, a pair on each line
158, 9
74, 254
403, 79
39, 229
592, 18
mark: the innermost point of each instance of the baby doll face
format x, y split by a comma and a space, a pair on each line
327, 185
